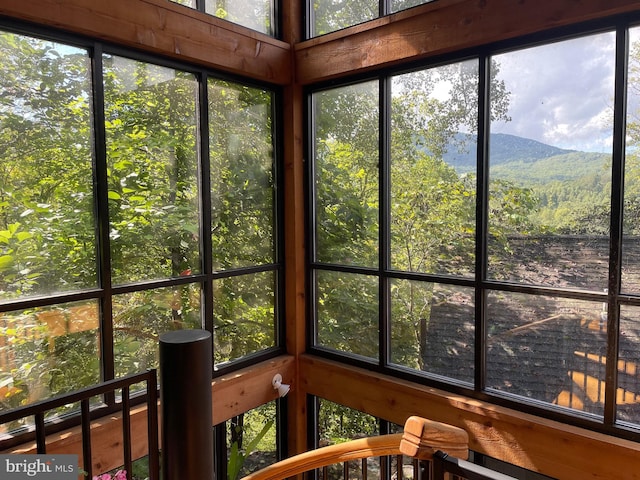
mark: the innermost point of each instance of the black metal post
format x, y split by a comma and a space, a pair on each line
185, 395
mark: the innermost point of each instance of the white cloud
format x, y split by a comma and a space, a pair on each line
562, 93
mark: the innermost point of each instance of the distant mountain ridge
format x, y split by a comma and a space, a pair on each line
526, 161
504, 148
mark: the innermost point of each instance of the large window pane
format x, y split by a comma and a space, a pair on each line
251, 441
255, 14
242, 175
243, 315
546, 348
152, 163
346, 174
433, 169
47, 239
550, 164
347, 312
397, 5
631, 224
139, 318
47, 351
628, 366
432, 328
332, 15
339, 424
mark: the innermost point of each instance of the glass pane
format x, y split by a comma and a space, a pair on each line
244, 318
242, 175
631, 219
339, 424
151, 126
433, 169
550, 349
47, 228
347, 312
432, 328
255, 14
187, 3
628, 386
332, 15
346, 174
139, 318
254, 436
397, 5
550, 164
47, 351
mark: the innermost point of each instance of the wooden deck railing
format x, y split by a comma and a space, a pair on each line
423, 440
86, 415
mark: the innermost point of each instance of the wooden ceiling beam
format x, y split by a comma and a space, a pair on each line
165, 28
438, 28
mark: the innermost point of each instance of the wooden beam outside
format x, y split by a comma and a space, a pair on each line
233, 394
165, 28
559, 450
437, 28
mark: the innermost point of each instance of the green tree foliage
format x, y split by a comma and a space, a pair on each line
243, 182
46, 204
150, 121
338, 424
255, 14
332, 15
632, 160
346, 175
49, 228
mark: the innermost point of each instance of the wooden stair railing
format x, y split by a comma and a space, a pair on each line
421, 439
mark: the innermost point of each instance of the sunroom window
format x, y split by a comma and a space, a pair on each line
123, 215
326, 16
471, 228
259, 15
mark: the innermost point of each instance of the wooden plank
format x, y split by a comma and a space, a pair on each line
561, 451
250, 387
166, 28
438, 28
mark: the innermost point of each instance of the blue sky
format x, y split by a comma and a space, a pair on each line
562, 93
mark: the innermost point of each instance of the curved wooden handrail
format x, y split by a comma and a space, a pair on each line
324, 456
421, 438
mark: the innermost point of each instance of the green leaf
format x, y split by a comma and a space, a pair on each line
114, 195
253, 443
6, 261
22, 236
235, 461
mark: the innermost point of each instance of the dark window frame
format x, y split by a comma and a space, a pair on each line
104, 290
614, 297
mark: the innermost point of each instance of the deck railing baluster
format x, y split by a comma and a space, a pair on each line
85, 419
41, 434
